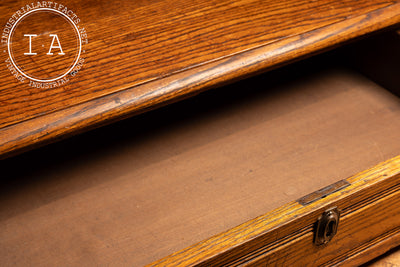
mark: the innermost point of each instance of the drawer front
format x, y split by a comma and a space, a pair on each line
368, 226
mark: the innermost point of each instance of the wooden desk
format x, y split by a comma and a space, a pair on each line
216, 179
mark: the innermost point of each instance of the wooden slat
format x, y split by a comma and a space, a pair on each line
142, 54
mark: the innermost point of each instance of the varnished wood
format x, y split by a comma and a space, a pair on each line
205, 168
285, 235
142, 54
375, 250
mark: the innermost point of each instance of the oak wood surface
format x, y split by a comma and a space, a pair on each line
136, 201
373, 256
142, 54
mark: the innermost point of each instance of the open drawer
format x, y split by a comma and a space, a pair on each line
260, 172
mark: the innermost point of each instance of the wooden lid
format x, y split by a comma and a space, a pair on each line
142, 54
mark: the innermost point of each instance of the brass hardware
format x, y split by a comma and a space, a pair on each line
326, 226
324, 192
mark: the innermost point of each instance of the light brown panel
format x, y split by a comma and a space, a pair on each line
140, 200
145, 53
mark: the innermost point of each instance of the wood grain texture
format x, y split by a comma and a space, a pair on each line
197, 171
142, 54
285, 236
374, 252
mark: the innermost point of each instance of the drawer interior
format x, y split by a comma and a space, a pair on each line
378, 59
146, 187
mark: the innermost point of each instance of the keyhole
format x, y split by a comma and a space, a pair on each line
330, 229
326, 226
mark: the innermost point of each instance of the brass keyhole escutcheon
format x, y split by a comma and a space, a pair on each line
327, 226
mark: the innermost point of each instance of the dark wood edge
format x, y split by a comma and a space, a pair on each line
291, 222
131, 101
